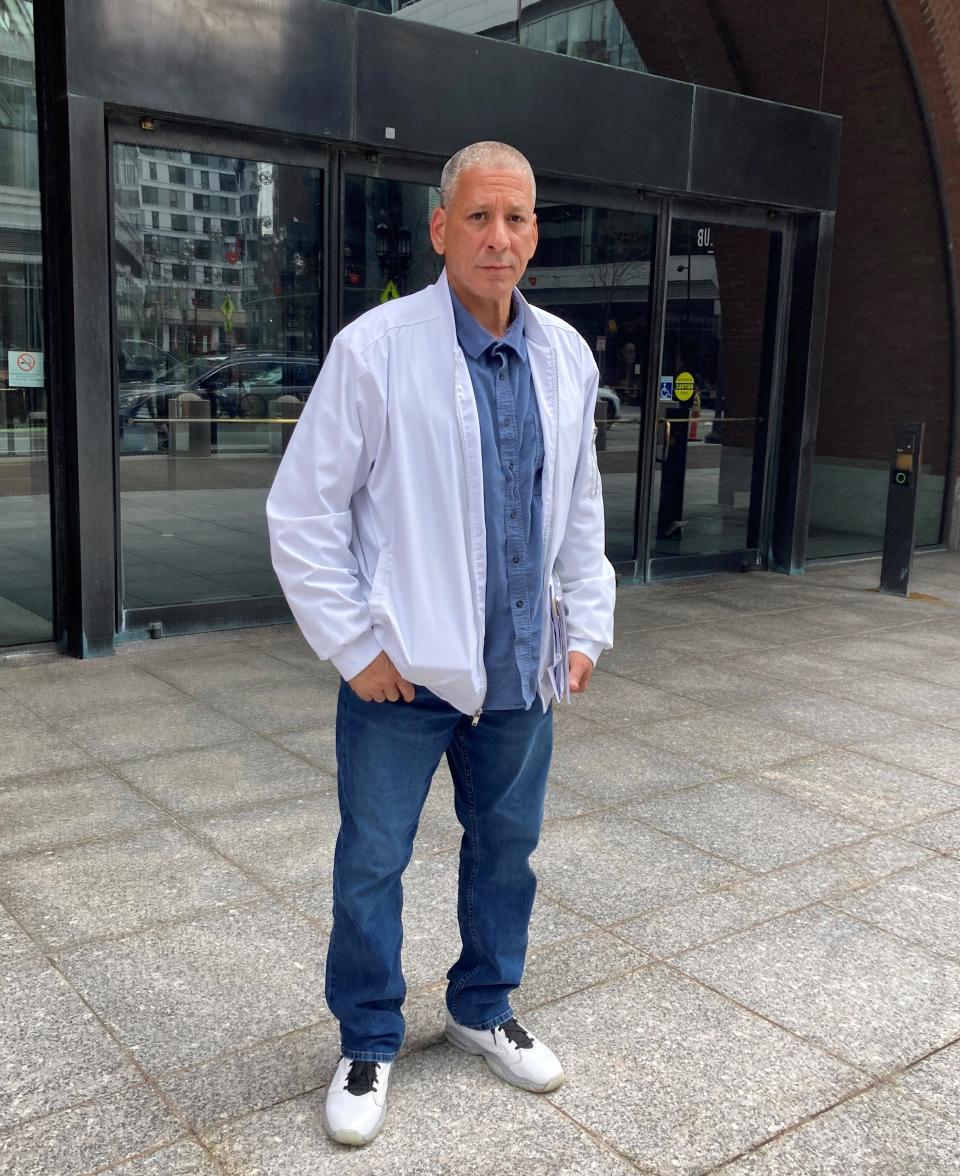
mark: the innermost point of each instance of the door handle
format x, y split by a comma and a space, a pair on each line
663, 439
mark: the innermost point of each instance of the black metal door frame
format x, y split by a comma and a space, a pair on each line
338, 161
781, 224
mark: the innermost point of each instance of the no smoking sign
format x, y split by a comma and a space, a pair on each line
25, 369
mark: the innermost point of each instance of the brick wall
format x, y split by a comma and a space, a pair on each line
931, 29
889, 340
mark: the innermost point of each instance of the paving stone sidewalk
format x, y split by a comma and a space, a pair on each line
746, 945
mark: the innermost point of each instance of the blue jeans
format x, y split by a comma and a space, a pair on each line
387, 754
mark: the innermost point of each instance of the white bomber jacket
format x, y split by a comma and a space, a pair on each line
376, 513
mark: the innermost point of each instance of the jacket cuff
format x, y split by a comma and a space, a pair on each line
592, 649
357, 655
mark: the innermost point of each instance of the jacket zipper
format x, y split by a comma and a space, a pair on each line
481, 619
548, 536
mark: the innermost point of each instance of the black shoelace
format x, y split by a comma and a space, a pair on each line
362, 1078
516, 1034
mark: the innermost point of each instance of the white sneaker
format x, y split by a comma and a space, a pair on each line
511, 1053
356, 1104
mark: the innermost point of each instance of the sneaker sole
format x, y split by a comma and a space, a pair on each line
354, 1138
502, 1071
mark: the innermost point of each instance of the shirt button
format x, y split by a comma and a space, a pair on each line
513, 514
516, 559
519, 604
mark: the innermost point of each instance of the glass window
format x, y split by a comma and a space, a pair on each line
26, 582
491, 18
578, 32
591, 31
210, 379
556, 33
533, 35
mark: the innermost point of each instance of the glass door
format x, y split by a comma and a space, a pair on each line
594, 269
26, 578
717, 368
218, 255
385, 232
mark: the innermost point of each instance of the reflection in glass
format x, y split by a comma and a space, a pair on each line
387, 250
218, 312
714, 389
489, 18
592, 30
592, 268
26, 588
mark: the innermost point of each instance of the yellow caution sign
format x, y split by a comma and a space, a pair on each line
684, 386
227, 309
389, 291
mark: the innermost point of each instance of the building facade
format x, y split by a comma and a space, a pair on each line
746, 208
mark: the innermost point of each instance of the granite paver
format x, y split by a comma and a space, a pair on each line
875, 1134
762, 788
848, 986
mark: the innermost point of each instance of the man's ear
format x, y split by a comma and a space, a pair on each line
536, 233
438, 224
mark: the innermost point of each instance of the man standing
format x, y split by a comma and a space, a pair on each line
437, 527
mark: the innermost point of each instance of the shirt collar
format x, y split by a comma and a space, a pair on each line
475, 339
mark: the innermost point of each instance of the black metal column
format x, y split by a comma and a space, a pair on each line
78, 316
901, 520
801, 392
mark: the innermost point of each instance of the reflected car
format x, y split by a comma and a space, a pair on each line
242, 384
609, 398
138, 359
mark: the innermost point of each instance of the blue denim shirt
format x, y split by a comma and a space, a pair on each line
511, 444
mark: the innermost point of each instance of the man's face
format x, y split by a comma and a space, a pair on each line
487, 234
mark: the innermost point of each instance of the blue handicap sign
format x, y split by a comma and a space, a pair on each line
666, 387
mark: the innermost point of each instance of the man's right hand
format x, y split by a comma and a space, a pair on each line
381, 682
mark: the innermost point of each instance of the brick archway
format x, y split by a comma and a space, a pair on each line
890, 342
930, 31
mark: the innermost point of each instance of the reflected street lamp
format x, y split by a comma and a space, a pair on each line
394, 249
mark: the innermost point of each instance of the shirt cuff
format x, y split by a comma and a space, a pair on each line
357, 655
592, 649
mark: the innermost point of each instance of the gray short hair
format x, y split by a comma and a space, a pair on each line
488, 153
